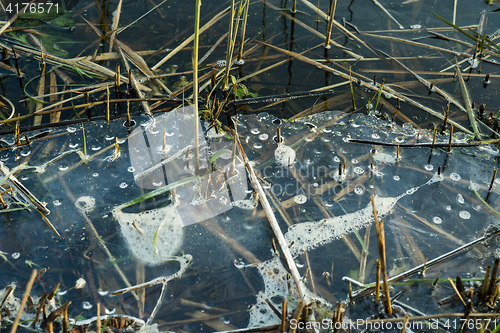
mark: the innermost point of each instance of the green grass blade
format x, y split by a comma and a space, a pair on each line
485, 203
159, 191
456, 27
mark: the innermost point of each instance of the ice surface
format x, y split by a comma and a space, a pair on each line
153, 236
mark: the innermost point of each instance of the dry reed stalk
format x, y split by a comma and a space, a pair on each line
485, 284
493, 278
492, 180
377, 281
29, 285
456, 291
273, 223
379, 227
114, 26
330, 23
451, 138
284, 308
243, 31
297, 314
388, 14
98, 321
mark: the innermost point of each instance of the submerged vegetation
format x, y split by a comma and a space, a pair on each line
173, 166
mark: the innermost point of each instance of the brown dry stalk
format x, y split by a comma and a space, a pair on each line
379, 227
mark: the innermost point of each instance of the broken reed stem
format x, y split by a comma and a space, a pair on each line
273, 223
118, 82
456, 291
296, 315
493, 179
484, 287
41, 303
107, 104
283, 314
352, 92
379, 227
434, 139
24, 300
493, 278
98, 322
451, 137
377, 281
195, 88
379, 94
65, 320
330, 23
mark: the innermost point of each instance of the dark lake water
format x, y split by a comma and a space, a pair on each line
209, 239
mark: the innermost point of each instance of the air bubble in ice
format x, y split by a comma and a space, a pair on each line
16, 255
300, 199
257, 145
437, 220
110, 311
85, 204
73, 145
460, 198
358, 170
71, 129
429, 167
255, 131
455, 176
396, 177
86, 305
448, 207
131, 169
354, 161
411, 190
157, 182
375, 136
464, 214
63, 167
95, 174
102, 292
336, 159
56, 203
96, 148
359, 190
123, 185
263, 136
